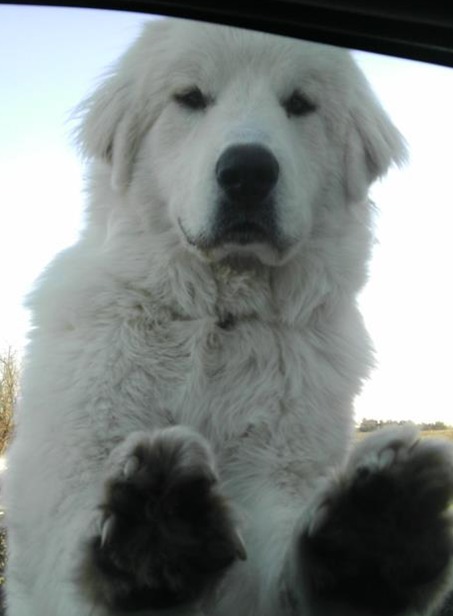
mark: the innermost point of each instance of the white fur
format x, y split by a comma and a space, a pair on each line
125, 334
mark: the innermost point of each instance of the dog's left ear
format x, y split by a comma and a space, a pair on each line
373, 143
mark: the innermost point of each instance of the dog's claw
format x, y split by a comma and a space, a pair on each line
131, 467
106, 531
241, 551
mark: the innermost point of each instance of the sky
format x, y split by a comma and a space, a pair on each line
51, 58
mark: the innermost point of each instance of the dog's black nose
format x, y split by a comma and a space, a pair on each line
247, 173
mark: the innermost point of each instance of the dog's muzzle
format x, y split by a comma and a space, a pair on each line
247, 176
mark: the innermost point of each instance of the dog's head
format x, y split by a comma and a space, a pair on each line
245, 140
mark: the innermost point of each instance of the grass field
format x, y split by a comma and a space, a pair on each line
448, 434
439, 433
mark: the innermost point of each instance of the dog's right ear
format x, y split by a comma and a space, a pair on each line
114, 119
109, 128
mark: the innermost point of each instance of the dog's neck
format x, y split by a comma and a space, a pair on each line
232, 291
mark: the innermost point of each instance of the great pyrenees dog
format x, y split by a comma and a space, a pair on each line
183, 438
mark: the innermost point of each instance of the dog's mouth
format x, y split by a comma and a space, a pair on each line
243, 224
244, 233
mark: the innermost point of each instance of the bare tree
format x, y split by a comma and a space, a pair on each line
9, 387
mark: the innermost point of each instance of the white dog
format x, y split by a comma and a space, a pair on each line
183, 437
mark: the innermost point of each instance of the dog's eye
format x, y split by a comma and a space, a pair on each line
298, 104
192, 99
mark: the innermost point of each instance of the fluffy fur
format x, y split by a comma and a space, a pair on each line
183, 434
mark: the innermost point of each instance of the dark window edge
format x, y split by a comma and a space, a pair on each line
422, 33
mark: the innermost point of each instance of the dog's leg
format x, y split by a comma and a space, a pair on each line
166, 535
379, 539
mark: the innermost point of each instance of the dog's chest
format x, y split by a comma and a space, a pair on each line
222, 377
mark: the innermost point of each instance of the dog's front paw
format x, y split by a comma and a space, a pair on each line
166, 535
380, 537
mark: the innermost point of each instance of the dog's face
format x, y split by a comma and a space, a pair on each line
240, 146
242, 137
